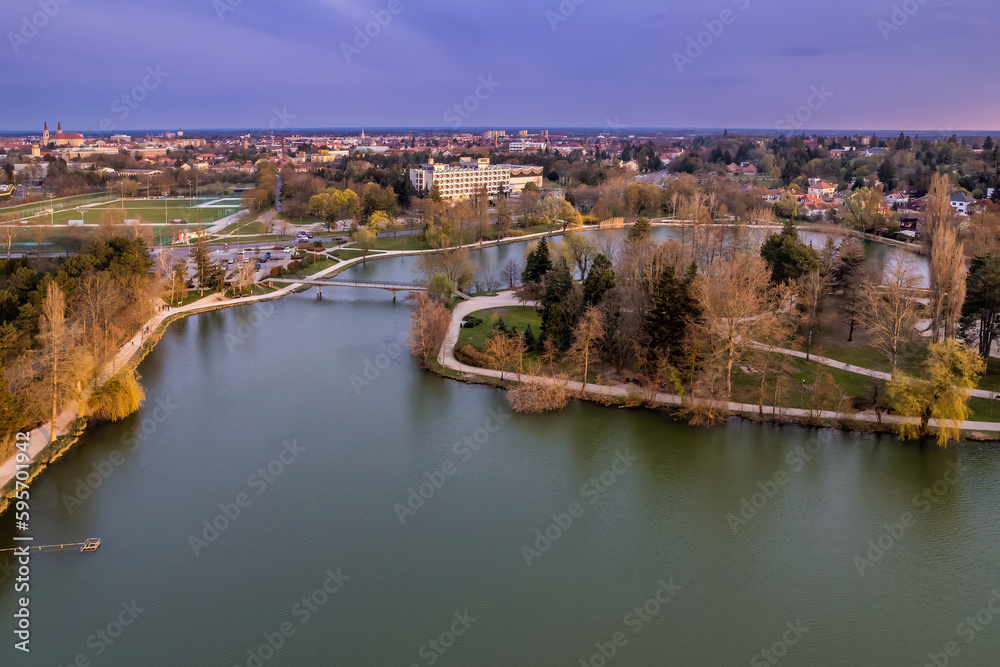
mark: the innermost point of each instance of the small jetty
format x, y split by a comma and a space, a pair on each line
90, 544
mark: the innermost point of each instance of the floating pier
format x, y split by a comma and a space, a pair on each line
90, 544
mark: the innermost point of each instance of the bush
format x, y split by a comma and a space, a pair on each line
471, 322
294, 266
537, 397
317, 244
277, 271
470, 356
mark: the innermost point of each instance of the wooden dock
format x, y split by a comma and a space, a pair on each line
90, 544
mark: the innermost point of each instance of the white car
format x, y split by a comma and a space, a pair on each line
288, 248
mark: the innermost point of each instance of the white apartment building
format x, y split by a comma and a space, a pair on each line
463, 181
522, 146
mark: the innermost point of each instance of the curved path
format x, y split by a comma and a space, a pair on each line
446, 357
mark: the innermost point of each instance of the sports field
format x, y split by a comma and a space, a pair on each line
150, 211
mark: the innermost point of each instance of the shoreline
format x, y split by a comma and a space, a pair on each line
620, 394
70, 425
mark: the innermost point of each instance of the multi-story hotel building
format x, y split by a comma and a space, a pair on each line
470, 176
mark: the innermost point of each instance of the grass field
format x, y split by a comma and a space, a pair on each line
148, 210
517, 316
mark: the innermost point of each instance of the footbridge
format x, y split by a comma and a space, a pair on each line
389, 286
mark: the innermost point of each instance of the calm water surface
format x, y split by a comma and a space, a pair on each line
267, 407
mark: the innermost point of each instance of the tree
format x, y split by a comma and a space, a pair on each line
578, 250
980, 323
52, 326
506, 350
865, 209
889, 311
509, 274
588, 334
8, 230
364, 239
947, 261
846, 277
538, 263
440, 288
503, 216
787, 206
952, 370
179, 290
428, 326
117, 398
202, 263
813, 290
639, 230
599, 280
559, 308
673, 312
787, 256
887, 173
736, 300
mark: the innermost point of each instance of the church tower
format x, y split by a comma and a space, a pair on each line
45, 134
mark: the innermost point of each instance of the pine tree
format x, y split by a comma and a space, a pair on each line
674, 309
538, 264
599, 280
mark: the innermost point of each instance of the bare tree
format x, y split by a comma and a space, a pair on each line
8, 230
889, 311
588, 334
510, 274
736, 300
813, 290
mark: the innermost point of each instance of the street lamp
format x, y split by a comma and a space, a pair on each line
52, 214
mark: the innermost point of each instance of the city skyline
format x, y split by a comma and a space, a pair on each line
228, 64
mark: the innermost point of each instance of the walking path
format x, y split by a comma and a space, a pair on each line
446, 357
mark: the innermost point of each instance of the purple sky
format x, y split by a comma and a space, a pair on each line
594, 64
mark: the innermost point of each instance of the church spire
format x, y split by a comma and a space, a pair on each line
59, 128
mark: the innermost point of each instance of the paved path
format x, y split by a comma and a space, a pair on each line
506, 299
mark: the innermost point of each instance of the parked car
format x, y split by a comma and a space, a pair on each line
287, 248
267, 255
257, 266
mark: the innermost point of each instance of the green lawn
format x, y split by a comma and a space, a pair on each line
411, 242
517, 316
347, 253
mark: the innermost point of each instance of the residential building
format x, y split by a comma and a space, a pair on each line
470, 176
961, 201
522, 146
822, 189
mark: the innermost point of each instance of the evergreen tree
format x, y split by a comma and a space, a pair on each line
599, 280
674, 309
787, 256
538, 264
558, 312
529, 338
